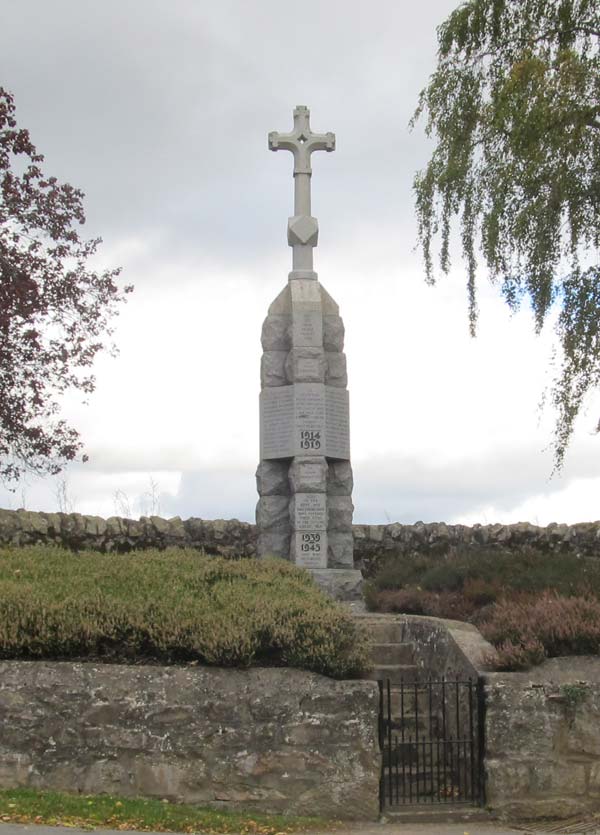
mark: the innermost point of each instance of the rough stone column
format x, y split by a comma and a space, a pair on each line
272, 511
304, 478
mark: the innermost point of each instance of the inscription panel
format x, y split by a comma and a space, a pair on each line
337, 423
277, 422
304, 419
307, 328
312, 474
308, 367
309, 431
309, 512
310, 549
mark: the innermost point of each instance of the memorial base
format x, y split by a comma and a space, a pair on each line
343, 584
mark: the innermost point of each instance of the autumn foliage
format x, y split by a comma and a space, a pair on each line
54, 310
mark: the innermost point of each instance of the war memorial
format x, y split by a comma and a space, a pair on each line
304, 477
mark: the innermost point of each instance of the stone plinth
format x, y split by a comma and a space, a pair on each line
341, 583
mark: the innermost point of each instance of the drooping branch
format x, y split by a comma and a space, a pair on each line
513, 107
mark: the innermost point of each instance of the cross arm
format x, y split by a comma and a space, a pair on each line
301, 141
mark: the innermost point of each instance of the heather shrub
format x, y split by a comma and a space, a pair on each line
525, 631
396, 573
409, 601
415, 601
480, 576
525, 570
530, 604
172, 606
443, 577
481, 593
512, 656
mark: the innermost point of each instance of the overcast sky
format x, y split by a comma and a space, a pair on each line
160, 113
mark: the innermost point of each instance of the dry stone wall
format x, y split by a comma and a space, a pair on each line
229, 537
222, 537
374, 543
272, 740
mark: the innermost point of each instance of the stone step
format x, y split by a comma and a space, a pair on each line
406, 706
392, 653
425, 764
383, 631
425, 779
396, 673
410, 763
408, 793
426, 784
437, 813
408, 723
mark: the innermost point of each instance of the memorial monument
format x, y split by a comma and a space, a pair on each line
304, 477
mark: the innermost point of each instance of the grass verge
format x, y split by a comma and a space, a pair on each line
145, 815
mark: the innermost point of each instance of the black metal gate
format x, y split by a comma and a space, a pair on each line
431, 737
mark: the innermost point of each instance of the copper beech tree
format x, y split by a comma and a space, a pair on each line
54, 310
514, 107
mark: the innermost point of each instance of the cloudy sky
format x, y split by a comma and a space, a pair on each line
160, 113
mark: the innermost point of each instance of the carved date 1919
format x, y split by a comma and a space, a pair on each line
310, 439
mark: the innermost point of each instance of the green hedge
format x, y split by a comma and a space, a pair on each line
172, 606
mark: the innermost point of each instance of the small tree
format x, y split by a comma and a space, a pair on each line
514, 105
54, 311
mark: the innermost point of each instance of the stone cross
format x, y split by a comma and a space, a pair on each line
303, 230
304, 479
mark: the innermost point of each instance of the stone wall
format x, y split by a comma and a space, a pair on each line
228, 538
372, 543
543, 739
272, 740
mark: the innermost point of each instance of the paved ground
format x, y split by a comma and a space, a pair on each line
471, 828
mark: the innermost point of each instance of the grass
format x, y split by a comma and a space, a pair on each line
107, 811
172, 607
